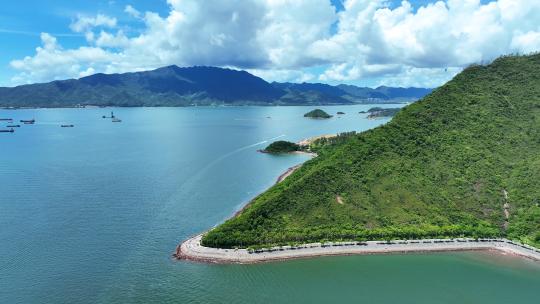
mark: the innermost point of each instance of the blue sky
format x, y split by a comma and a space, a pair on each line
414, 43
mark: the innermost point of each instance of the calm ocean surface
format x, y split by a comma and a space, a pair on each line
92, 214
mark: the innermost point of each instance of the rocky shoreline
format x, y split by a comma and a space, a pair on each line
192, 249
287, 173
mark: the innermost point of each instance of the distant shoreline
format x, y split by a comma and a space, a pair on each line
210, 105
192, 250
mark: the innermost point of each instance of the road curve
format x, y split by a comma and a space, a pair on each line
192, 249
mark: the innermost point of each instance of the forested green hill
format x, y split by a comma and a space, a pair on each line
440, 168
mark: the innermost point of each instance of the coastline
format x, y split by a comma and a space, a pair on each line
280, 178
291, 170
247, 104
192, 250
308, 141
287, 173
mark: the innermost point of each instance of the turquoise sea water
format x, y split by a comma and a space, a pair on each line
91, 214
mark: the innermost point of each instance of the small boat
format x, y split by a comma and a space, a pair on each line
7, 131
13, 126
6, 119
67, 126
116, 120
28, 122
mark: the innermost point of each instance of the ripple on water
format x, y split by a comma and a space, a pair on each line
92, 214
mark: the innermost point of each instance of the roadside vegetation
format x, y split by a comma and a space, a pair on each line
439, 169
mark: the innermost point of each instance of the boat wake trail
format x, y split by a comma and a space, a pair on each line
222, 157
255, 144
204, 170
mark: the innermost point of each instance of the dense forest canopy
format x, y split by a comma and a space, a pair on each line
449, 165
281, 146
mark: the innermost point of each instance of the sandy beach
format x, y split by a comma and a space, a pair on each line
308, 141
194, 251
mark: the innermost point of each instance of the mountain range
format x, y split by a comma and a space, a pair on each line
199, 85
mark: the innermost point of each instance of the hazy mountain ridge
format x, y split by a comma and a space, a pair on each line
199, 85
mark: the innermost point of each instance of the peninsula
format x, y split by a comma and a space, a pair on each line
459, 164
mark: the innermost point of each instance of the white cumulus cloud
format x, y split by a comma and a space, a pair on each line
52, 62
130, 10
283, 39
374, 40
85, 23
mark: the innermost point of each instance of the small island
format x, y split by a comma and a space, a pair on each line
281, 146
318, 113
381, 112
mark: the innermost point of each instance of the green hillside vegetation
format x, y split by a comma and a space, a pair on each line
317, 113
320, 144
438, 169
281, 146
